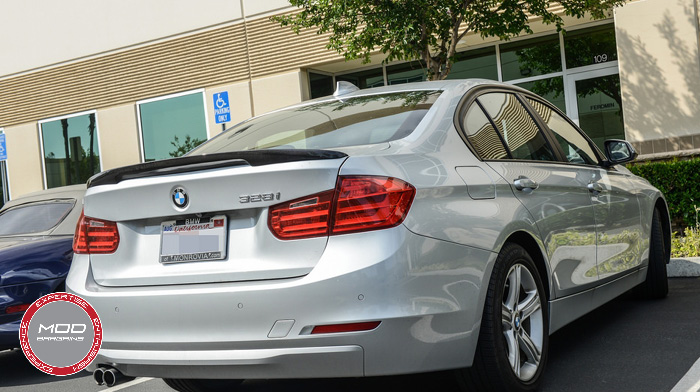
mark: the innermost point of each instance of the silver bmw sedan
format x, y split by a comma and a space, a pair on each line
431, 226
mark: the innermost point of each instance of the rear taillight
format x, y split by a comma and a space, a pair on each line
359, 203
95, 236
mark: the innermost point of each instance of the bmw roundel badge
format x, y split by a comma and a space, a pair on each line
180, 197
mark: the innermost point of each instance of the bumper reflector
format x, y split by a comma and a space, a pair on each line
352, 327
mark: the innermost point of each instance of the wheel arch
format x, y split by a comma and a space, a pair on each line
535, 250
662, 207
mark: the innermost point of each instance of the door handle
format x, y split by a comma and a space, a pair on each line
595, 187
525, 184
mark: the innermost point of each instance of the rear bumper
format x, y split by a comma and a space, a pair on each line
427, 294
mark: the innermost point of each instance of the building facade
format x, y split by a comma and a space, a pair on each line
97, 85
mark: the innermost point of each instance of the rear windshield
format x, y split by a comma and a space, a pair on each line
33, 218
342, 122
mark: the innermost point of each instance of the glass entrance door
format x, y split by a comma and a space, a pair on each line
595, 103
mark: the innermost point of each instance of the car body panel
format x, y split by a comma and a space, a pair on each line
32, 265
425, 279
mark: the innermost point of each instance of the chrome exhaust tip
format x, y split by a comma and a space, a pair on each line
113, 377
99, 376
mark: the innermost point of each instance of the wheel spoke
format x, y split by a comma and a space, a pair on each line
530, 305
513, 351
511, 300
529, 348
506, 317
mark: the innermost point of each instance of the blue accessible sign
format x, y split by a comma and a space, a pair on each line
3, 148
221, 108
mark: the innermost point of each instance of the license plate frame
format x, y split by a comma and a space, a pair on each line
193, 239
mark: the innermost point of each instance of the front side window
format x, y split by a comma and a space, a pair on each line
33, 217
344, 122
576, 148
71, 152
171, 127
517, 128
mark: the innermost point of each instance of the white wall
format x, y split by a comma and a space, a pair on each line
39, 33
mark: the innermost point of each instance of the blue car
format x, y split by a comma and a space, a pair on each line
36, 249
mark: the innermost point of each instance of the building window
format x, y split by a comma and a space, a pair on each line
364, 79
532, 57
595, 45
171, 126
410, 72
320, 85
551, 89
70, 148
478, 63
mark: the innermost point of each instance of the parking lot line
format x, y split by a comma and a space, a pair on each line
691, 381
131, 383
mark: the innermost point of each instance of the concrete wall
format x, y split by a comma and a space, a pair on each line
24, 159
660, 74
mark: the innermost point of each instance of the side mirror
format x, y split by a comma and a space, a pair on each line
619, 151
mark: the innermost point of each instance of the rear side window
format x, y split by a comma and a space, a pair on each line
341, 122
482, 135
517, 128
33, 218
576, 148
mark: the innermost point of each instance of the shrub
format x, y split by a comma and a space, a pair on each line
678, 181
686, 246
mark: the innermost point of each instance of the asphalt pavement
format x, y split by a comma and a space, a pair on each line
627, 345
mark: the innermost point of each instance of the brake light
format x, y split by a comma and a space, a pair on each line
95, 236
359, 203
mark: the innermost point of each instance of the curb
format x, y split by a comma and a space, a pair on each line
687, 267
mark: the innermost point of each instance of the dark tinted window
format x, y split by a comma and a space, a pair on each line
33, 218
575, 146
482, 136
517, 128
594, 45
363, 79
320, 85
354, 121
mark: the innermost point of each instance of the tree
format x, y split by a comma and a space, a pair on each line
427, 29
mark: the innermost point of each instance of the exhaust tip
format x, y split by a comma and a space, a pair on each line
98, 375
113, 377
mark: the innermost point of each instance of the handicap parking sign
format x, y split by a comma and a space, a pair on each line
3, 147
222, 110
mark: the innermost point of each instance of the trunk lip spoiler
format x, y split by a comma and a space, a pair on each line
191, 163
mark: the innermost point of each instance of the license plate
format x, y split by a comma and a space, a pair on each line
193, 239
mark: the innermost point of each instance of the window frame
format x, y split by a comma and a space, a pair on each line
471, 97
58, 118
142, 153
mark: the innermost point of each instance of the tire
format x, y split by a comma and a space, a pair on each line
655, 286
196, 385
511, 352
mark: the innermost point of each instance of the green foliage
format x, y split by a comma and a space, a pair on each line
426, 29
185, 147
678, 181
687, 245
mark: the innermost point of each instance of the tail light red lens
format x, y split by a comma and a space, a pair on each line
359, 203
302, 218
94, 236
17, 308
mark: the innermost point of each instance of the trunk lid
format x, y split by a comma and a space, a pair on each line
238, 186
